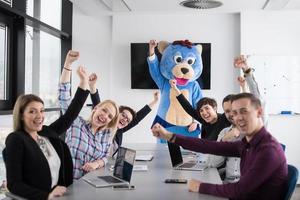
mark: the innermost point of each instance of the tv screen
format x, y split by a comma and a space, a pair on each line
140, 76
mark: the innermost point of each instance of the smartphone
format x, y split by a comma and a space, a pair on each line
176, 180
123, 187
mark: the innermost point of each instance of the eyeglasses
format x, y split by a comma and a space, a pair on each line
125, 117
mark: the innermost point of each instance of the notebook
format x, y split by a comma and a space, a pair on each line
144, 157
177, 161
122, 170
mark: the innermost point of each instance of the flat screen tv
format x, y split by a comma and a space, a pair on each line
140, 76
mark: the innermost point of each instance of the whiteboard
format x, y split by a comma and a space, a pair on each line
278, 78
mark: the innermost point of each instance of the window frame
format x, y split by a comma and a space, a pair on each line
8, 22
18, 20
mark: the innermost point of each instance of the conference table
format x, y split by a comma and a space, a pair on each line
148, 184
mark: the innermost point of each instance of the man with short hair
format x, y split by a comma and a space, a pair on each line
263, 163
205, 113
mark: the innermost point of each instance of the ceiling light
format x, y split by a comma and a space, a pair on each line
201, 4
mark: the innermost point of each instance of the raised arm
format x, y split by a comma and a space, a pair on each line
72, 110
153, 65
65, 80
242, 83
240, 62
141, 114
93, 89
71, 57
152, 45
185, 103
155, 99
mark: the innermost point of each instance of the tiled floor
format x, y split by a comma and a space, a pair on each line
296, 195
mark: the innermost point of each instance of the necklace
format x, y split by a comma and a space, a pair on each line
43, 146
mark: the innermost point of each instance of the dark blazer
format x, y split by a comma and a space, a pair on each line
27, 169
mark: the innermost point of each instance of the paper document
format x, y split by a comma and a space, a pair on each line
135, 168
140, 168
144, 157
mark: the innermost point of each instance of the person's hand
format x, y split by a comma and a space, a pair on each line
194, 185
83, 76
173, 84
152, 45
160, 132
92, 82
70, 58
232, 133
241, 80
243, 84
241, 62
57, 192
155, 99
192, 126
156, 96
91, 166
82, 73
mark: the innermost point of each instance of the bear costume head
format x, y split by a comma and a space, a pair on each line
180, 60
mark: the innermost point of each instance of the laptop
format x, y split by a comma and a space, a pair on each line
122, 170
177, 161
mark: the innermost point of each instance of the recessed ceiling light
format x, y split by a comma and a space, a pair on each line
201, 4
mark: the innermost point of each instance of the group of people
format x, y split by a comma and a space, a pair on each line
40, 165
254, 163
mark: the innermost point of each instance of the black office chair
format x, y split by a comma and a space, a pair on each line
283, 146
292, 181
4, 155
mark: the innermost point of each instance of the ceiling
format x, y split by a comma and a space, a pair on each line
94, 7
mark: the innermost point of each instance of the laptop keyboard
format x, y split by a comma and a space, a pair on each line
110, 179
188, 165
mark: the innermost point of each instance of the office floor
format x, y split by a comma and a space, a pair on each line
296, 195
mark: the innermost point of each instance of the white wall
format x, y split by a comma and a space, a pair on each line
104, 43
92, 37
275, 33
221, 30
270, 33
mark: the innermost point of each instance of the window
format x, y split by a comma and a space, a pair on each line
43, 28
34, 35
48, 11
42, 61
7, 1
3, 62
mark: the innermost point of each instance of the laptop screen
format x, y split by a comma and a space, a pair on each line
175, 154
124, 163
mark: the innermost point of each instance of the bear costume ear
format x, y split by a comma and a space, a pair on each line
199, 48
162, 45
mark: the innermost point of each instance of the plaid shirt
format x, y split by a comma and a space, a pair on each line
83, 144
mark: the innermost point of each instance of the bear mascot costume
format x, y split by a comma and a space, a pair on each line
181, 60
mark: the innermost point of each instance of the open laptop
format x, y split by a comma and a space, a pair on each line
122, 170
177, 161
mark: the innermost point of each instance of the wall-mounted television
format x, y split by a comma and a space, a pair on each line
140, 76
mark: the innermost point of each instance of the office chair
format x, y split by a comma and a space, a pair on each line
283, 146
292, 181
4, 155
